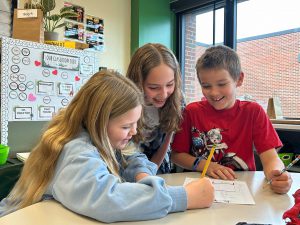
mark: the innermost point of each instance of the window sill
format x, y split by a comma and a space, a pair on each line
286, 124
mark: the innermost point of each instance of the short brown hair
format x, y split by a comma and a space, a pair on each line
220, 57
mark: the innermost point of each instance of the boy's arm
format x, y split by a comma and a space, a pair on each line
215, 170
281, 183
270, 162
182, 159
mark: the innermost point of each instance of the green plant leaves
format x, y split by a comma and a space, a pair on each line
48, 5
68, 14
66, 9
61, 25
51, 21
54, 17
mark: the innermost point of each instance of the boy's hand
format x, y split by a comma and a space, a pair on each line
281, 183
218, 171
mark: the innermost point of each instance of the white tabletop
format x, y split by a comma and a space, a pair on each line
268, 209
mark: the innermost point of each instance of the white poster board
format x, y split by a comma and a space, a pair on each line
38, 79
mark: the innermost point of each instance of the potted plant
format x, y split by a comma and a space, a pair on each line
51, 21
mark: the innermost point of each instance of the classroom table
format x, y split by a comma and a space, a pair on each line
268, 209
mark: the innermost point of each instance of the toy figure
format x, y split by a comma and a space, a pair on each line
293, 214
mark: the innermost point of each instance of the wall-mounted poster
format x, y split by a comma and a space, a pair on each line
78, 9
95, 32
55, 60
95, 41
74, 31
94, 24
40, 79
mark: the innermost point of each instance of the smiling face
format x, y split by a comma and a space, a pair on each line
123, 127
159, 85
219, 88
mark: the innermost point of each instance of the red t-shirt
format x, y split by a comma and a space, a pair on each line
235, 132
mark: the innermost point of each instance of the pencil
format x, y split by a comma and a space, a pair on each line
208, 160
287, 167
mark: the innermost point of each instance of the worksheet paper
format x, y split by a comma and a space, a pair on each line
23, 156
229, 191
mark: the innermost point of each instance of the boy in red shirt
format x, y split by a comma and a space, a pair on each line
233, 126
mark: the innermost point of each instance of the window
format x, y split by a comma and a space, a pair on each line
268, 46
268, 37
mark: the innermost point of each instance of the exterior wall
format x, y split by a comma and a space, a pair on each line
190, 80
270, 63
271, 68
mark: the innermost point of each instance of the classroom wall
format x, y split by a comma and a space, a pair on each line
117, 18
152, 21
116, 15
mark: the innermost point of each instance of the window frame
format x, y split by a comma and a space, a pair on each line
182, 7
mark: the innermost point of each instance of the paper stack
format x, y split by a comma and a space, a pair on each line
22, 156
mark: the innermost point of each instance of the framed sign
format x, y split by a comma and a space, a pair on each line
55, 60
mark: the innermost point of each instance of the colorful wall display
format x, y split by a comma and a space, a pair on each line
37, 80
94, 32
85, 28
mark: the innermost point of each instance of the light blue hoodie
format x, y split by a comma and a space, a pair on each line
83, 184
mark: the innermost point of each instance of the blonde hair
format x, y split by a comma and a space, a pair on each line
146, 58
106, 95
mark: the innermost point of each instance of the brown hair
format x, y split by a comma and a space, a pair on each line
220, 57
146, 58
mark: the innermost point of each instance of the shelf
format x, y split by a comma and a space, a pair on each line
286, 124
286, 121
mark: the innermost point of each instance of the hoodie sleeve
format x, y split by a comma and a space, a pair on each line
137, 163
84, 185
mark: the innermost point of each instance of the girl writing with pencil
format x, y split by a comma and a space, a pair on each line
79, 161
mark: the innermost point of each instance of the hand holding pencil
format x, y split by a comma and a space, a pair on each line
200, 193
287, 167
208, 160
281, 180
216, 170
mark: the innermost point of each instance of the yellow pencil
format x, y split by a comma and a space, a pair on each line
208, 160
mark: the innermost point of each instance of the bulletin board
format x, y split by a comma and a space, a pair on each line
38, 79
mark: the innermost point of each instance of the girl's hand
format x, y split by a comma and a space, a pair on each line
218, 171
200, 193
140, 176
280, 184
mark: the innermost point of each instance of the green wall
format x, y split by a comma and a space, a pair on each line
152, 21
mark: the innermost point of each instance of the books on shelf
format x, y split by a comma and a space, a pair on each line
68, 44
